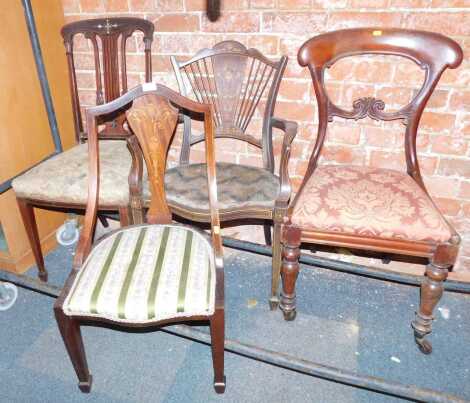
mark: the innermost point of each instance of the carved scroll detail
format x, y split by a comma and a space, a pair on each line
367, 107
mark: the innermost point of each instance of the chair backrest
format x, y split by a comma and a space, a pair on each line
153, 116
108, 37
233, 80
430, 51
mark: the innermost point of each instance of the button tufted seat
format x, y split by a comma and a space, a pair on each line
69, 183
146, 273
238, 186
369, 202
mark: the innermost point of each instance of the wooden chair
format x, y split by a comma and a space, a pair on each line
60, 182
370, 208
151, 274
234, 80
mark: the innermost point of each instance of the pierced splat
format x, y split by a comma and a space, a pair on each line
430, 51
108, 37
233, 80
367, 107
228, 76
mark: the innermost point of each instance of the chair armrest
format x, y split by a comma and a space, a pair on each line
290, 131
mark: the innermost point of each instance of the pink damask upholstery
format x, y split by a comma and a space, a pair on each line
369, 202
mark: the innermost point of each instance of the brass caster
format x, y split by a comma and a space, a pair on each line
289, 316
424, 345
273, 303
85, 387
219, 386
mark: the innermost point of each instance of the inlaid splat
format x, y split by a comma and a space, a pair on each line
153, 120
108, 38
233, 80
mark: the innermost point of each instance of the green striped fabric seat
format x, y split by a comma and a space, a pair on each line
146, 273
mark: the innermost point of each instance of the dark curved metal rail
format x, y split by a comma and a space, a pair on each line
41, 69
346, 377
346, 267
46, 92
329, 373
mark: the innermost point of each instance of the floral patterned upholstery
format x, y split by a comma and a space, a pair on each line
238, 186
369, 202
64, 177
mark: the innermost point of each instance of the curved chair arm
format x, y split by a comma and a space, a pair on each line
290, 131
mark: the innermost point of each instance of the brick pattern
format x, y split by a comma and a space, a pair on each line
278, 27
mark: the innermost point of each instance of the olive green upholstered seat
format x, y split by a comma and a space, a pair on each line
146, 273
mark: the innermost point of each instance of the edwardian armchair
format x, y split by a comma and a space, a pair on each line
61, 182
150, 274
233, 80
369, 208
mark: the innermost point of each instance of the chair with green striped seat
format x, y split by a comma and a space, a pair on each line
155, 273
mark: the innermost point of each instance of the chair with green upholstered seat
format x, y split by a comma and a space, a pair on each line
150, 274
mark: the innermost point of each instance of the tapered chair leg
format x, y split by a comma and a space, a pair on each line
29, 222
70, 331
267, 234
289, 271
217, 325
276, 267
432, 289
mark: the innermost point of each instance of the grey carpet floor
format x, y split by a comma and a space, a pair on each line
343, 320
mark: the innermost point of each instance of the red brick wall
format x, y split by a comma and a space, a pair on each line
279, 27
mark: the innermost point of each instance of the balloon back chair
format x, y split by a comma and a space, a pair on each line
369, 208
61, 181
150, 274
233, 80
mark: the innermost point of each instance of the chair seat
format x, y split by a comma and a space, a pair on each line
369, 202
146, 273
238, 186
64, 177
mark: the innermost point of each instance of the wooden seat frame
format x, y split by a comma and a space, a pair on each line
233, 79
154, 143
434, 53
112, 34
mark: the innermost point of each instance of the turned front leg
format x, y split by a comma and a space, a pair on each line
276, 267
432, 289
289, 270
